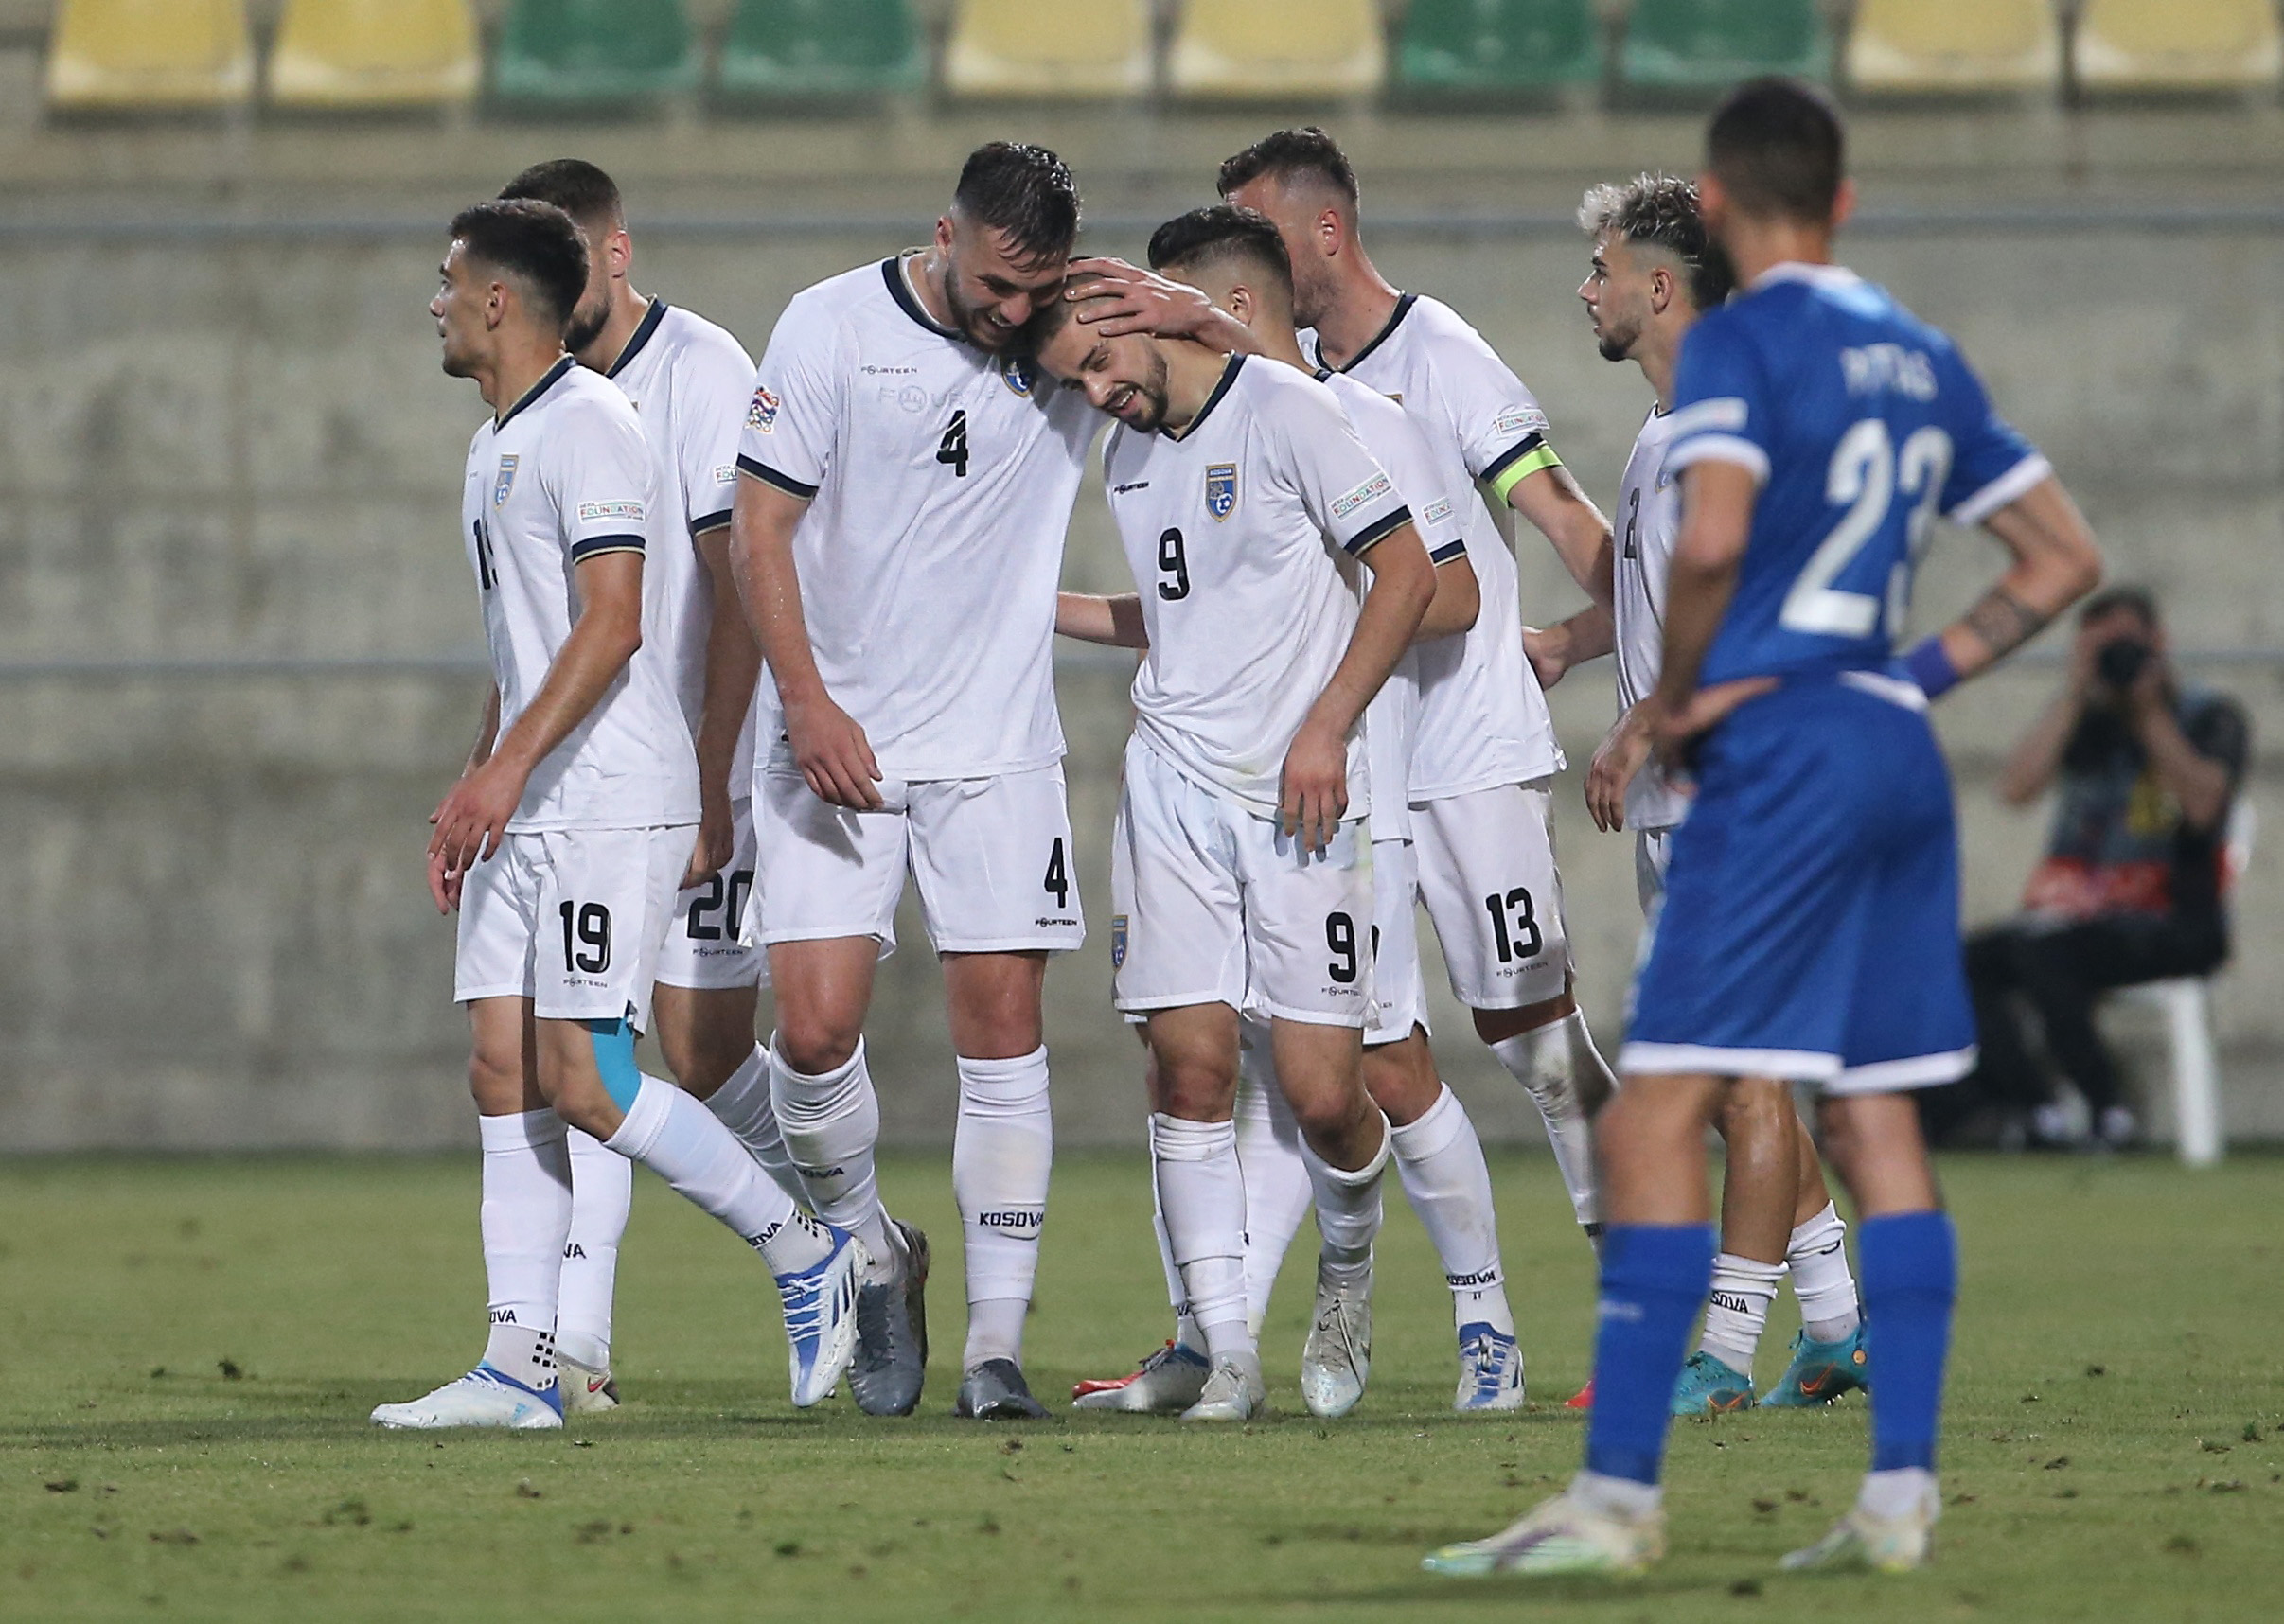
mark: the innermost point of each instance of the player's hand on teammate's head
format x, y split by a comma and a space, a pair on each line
835, 757
1313, 793
1133, 300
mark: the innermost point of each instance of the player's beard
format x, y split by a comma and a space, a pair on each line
982, 331
586, 324
1152, 393
1616, 339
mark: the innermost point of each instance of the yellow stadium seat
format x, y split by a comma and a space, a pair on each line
374, 53
149, 53
1278, 48
2178, 45
1904, 45
1050, 48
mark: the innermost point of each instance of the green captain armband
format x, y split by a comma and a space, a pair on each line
1521, 464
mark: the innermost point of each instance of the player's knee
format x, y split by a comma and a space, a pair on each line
814, 1041
496, 1082
702, 1059
1194, 1088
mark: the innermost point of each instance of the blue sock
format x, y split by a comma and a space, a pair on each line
1653, 1280
1910, 1264
614, 1058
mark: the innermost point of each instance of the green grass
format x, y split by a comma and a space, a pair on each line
188, 1348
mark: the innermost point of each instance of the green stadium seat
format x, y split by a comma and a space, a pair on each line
594, 51
793, 49
1056, 49
150, 54
2178, 45
374, 53
1498, 44
1711, 44
1278, 48
1899, 47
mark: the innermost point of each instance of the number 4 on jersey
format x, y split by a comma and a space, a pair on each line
952, 449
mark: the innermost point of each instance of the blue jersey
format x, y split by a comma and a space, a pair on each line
1860, 422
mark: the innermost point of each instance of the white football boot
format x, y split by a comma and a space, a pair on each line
1234, 1391
1866, 1540
1557, 1536
1335, 1361
1491, 1370
482, 1397
584, 1390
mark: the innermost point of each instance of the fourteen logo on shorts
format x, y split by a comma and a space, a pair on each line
1370, 490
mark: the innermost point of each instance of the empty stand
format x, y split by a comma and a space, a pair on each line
1711, 44
793, 49
1900, 46
374, 53
1278, 48
2178, 45
594, 51
1498, 44
1050, 48
149, 53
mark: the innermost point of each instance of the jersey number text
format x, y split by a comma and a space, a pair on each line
952, 451
587, 937
1866, 474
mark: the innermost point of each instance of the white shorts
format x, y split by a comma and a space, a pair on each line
1652, 851
991, 855
704, 948
1399, 986
1487, 875
572, 920
1213, 904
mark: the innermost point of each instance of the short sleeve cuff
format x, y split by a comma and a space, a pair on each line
596, 546
1378, 530
706, 522
771, 476
1449, 552
1720, 448
2018, 480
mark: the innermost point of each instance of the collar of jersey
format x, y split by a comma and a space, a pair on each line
1396, 320
652, 317
1229, 376
554, 373
1814, 276
892, 269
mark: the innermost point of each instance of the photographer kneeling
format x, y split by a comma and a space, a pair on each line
2131, 886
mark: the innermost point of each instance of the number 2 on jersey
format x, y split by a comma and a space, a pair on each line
1866, 474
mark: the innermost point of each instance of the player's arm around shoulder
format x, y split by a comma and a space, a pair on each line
1113, 620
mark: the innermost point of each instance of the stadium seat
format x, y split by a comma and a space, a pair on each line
2178, 45
1899, 47
149, 53
593, 50
1264, 48
1050, 48
1498, 44
800, 49
374, 53
1711, 44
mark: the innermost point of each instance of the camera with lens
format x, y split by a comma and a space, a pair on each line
2119, 661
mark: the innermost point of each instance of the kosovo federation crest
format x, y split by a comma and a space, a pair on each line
1118, 941
1221, 489
506, 482
1015, 371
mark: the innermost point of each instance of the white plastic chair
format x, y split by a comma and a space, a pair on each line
2185, 1002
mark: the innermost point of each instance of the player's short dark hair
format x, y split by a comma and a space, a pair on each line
1025, 193
1662, 210
535, 243
1224, 234
1283, 153
1777, 146
575, 186
2135, 599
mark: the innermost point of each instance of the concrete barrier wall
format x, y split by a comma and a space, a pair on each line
216, 932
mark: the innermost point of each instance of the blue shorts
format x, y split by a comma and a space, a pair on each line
1809, 926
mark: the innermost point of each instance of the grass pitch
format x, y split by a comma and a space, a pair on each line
188, 1350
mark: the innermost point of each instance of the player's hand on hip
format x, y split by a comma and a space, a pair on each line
1542, 648
1616, 759
835, 757
1676, 733
1315, 789
471, 820
716, 839
1136, 301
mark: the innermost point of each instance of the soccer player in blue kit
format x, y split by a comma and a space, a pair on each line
1810, 929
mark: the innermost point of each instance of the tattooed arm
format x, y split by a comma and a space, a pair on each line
2055, 563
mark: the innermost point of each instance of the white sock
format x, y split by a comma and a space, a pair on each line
1817, 1254
742, 1106
1001, 1151
1619, 1497
830, 1123
1439, 1163
1560, 1068
679, 1140
1186, 1333
1201, 1194
1348, 1205
602, 1190
1897, 1494
524, 1220
1277, 1191
1737, 1312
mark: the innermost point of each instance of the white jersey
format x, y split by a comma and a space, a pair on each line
940, 480
689, 380
1483, 721
1649, 517
1392, 721
564, 476
1235, 530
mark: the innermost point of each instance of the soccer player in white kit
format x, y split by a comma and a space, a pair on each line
1241, 865
565, 840
1486, 754
1237, 260
1652, 274
689, 380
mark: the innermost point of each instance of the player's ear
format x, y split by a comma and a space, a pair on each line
1843, 203
1239, 303
618, 248
942, 234
1332, 231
